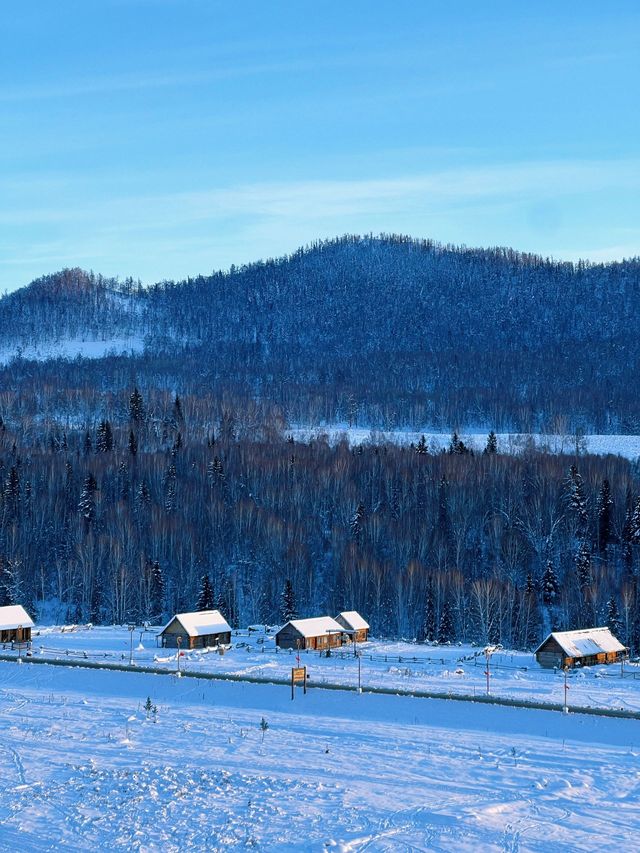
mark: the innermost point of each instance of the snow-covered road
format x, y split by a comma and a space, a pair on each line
83, 768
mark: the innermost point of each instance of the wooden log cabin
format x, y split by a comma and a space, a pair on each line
15, 625
357, 629
321, 632
586, 647
198, 630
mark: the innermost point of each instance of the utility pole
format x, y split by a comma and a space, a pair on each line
179, 643
565, 710
488, 651
131, 628
359, 673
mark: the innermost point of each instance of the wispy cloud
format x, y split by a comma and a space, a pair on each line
340, 198
215, 69
157, 235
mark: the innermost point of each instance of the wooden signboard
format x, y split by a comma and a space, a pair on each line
298, 673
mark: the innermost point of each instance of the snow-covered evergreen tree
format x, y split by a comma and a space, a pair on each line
583, 567
446, 631
456, 445
492, 443
136, 407
157, 591
429, 626
104, 437
550, 584
288, 602
605, 516
577, 502
205, 598
356, 525
613, 617
87, 503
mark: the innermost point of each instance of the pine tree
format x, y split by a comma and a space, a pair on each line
456, 445
205, 599
613, 617
421, 447
6, 583
429, 626
136, 407
444, 518
634, 524
288, 602
87, 503
356, 525
104, 437
605, 516
492, 443
88, 444
11, 495
132, 444
529, 587
583, 567
170, 488
627, 545
550, 584
177, 444
577, 503
445, 629
226, 602
157, 591
177, 410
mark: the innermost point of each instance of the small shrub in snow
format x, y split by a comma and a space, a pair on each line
264, 725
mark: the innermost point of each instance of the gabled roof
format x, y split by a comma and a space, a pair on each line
201, 623
316, 627
354, 620
590, 641
14, 616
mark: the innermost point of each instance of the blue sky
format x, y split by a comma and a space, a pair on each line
162, 139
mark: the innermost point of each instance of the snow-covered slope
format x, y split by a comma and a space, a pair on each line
72, 348
627, 446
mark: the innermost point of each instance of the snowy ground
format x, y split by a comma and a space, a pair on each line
82, 768
601, 445
73, 347
396, 665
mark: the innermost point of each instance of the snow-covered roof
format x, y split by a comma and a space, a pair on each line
316, 627
201, 623
354, 620
589, 641
14, 616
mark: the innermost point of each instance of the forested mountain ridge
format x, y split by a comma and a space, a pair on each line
127, 479
385, 331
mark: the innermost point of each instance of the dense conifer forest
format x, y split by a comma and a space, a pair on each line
134, 486
143, 514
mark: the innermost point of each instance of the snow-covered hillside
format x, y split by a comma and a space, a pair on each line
85, 767
72, 348
627, 446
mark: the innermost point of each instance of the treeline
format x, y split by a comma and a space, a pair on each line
380, 332
123, 520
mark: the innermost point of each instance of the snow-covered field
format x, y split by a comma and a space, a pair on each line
601, 445
387, 664
84, 768
73, 347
